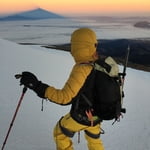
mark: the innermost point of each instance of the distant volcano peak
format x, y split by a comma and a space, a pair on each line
34, 14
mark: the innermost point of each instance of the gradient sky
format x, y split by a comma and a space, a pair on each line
76, 7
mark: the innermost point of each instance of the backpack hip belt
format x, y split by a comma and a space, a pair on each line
84, 119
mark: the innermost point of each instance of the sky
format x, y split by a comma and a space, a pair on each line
78, 7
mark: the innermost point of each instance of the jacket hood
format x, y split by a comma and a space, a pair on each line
83, 46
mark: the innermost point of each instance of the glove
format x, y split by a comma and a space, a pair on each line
30, 81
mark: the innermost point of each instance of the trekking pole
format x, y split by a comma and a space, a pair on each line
13, 119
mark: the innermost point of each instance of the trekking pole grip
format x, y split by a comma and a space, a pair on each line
24, 90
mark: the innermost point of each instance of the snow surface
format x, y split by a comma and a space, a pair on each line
33, 129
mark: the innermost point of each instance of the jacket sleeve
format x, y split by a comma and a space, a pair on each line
72, 86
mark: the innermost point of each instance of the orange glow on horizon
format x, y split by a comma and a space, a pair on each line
77, 6
9, 6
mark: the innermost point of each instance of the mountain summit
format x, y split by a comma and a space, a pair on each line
35, 14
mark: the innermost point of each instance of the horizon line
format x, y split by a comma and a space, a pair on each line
84, 14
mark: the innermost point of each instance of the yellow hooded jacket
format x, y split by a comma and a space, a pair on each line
83, 48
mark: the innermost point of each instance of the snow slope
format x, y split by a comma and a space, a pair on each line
33, 128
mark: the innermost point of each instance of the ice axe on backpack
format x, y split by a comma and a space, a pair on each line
122, 77
123, 74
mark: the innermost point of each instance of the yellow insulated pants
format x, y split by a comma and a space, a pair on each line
64, 142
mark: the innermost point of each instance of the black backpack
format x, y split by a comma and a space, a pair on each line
107, 91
